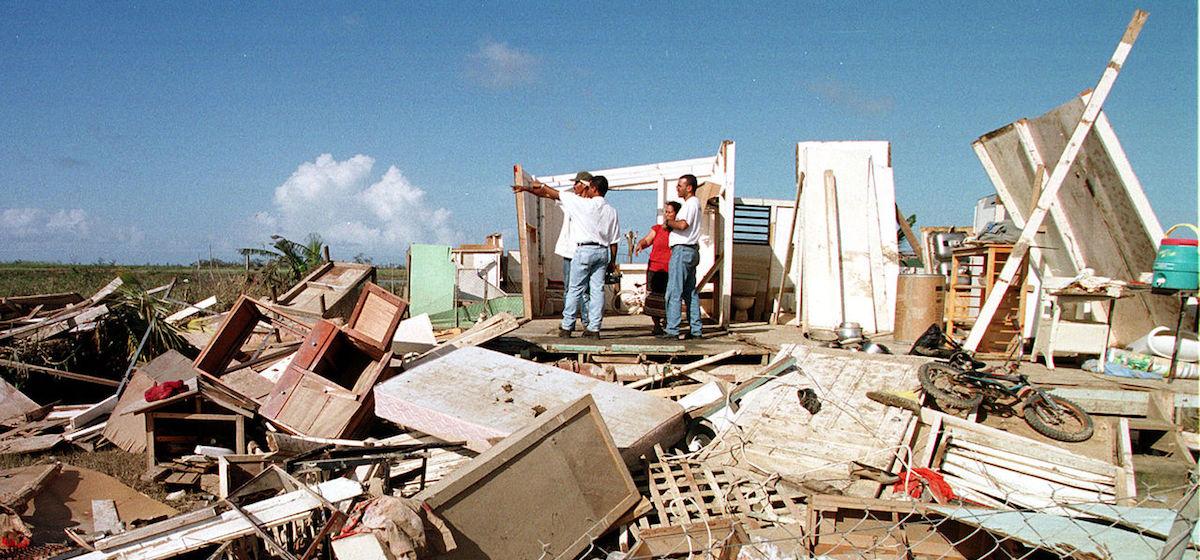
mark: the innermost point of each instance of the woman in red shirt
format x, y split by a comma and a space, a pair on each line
656, 267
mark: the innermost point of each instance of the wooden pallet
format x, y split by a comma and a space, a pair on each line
684, 492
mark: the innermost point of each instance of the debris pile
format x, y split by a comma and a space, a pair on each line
333, 421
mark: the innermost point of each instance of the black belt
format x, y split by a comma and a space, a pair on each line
692, 245
589, 243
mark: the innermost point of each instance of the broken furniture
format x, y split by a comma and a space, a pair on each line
546, 491
973, 273
205, 413
539, 222
1062, 325
239, 326
329, 291
326, 389
125, 429
480, 396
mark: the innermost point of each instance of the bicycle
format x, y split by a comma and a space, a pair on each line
964, 382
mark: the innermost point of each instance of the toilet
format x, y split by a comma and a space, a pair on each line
744, 289
741, 308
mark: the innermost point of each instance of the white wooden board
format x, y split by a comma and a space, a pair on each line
846, 243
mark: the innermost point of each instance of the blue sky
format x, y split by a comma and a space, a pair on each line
160, 132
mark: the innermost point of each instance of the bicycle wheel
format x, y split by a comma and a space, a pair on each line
943, 383
1066, 422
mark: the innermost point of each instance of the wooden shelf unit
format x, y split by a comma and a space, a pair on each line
973, 273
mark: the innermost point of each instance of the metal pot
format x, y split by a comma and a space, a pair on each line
849, 331
873, 348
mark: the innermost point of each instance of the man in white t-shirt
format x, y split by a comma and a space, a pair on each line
565, 247
685, 255
595, 231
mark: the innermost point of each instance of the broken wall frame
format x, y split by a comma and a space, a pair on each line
538, 222
1101, 218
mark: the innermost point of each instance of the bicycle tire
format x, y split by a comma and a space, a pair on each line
941, 381
1047, 421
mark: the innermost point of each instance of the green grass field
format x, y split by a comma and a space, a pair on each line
191, 283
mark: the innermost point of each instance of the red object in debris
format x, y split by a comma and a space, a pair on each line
161, 391
914, 481
14, 541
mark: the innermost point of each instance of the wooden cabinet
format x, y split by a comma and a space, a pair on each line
973, 273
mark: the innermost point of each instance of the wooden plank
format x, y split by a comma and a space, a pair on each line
1014, 443
105, 518
271, 512
1107, 401
1126, 481
527, 235
1024, 463
94, 412
18, 486
60, 373
791, 245
191, 309
563, 477
687, 369
1055, 181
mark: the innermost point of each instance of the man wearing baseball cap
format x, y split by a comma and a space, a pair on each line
565, 248
595, 232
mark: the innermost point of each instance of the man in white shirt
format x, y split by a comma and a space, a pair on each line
595, 231
685, 255
565, 247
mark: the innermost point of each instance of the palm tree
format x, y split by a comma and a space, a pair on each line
288, 260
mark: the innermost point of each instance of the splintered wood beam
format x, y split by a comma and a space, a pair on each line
787, 260
1050, 189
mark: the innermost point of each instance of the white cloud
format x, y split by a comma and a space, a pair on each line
498, 66
840, 93
26, 223
352, 214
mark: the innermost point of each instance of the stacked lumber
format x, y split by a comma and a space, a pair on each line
1007, 471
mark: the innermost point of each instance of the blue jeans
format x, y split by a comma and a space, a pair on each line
681, 286
567, 287
587, 273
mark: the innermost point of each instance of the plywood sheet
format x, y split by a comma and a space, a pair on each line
546, 491
773, 431
478, 394
1101, 218
67, 502
846, 243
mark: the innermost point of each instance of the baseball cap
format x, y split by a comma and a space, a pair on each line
583, 177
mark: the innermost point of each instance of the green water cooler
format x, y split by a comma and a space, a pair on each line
1177, 266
